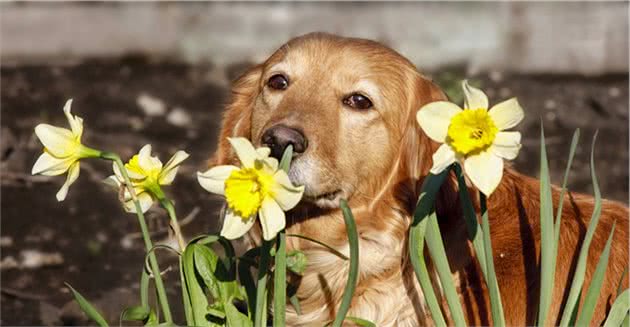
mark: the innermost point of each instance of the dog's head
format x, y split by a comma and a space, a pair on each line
347, 106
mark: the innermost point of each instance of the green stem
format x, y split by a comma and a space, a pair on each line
280, 282
470, 217
261, 287
496, 304
159, 285
168, 205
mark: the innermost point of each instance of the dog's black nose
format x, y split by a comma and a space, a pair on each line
279, 137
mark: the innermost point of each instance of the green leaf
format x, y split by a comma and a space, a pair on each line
280, 281
361, 322
620, 284
87, 308
235, 317
594, 289
496, 305
296, 262
205, 239
351, 283
246, 279
190, 320
144, 288
198, 299
220, 282
328, 247
295, 302
574, 142
547, 235
619, 310
580, 268
260, 316
438, 254
470, 217
285, 162
430, 186
205, 265
136, 313
153, 320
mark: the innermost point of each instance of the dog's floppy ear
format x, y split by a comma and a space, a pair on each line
237, 118
417, 147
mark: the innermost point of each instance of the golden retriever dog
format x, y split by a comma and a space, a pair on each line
348, 107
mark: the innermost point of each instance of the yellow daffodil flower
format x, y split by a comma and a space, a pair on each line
62, 150
474, 136
147, 174
257, 188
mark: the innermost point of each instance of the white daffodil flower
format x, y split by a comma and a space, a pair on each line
474, 136
62, 150
257, 188
147, 175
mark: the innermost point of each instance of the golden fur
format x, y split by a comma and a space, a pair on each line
377, 159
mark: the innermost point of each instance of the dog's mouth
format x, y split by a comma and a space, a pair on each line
325, 200
326, 196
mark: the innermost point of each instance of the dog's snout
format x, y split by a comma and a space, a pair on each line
279, 137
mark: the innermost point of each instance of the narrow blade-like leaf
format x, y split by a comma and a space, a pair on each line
470, 217
87, 307
351, 284
619, 310
438, 255
496, 304
580, 268
547, 235
260, 316
280, 282
285, 162
594, 289
424, 207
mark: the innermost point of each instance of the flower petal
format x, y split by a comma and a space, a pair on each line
235, 226
485, 171
132, 174
272, 218
213, 180
73, 174
435, 117
284, 193
58, 141
245, 151
474, 98
170, 169
113, 181
506, 145
146, 161
76, 123
442, 158
263, 152
48, 165
144, 199
269, 165
507, 114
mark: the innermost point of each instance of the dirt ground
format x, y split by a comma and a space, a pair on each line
89, 242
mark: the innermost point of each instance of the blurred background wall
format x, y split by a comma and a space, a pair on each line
550, 37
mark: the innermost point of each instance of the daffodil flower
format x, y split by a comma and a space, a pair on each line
474, 136
147, 175
62, 150
256, 188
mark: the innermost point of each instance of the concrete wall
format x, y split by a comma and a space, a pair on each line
558, 37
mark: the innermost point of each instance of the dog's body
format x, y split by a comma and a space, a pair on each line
375, 155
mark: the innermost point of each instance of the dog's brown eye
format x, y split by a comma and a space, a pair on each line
358, 101
278, 82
